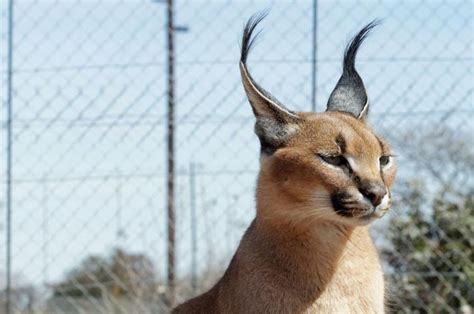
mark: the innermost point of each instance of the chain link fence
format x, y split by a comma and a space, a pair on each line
88, 134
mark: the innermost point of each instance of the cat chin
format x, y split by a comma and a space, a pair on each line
359, 221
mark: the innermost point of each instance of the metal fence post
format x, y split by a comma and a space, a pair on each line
9, 156
170, 156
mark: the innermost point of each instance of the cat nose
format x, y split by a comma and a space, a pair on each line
374, 192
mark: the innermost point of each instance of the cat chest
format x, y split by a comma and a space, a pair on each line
355, 288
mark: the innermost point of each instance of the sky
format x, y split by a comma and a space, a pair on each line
89, 106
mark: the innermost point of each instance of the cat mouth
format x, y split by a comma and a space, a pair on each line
346, 206
349, 208
364, 213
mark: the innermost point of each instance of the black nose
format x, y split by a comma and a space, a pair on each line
374, 192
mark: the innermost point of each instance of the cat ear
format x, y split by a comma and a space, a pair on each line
275, 124
350, 95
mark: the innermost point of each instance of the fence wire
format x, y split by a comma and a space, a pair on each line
88, 129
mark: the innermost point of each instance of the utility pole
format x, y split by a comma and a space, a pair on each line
192, 187
171, 158
171, 29
314, 55
9, 157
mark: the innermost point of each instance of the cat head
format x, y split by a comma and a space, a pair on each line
328, 166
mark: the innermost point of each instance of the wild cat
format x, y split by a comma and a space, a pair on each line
323, 178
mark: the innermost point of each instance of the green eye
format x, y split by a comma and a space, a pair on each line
384, 160
338, 160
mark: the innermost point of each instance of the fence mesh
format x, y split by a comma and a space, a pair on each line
88, 202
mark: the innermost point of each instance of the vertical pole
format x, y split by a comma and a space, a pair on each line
170, 152
192, 186
314, 55
120, 235
45, 227
9, 156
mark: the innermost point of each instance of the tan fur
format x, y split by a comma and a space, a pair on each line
299, 255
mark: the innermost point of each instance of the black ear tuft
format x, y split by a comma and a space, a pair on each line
350, 95
352, 48
248, 39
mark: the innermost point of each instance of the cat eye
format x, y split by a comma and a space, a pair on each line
337, 160
384, 160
